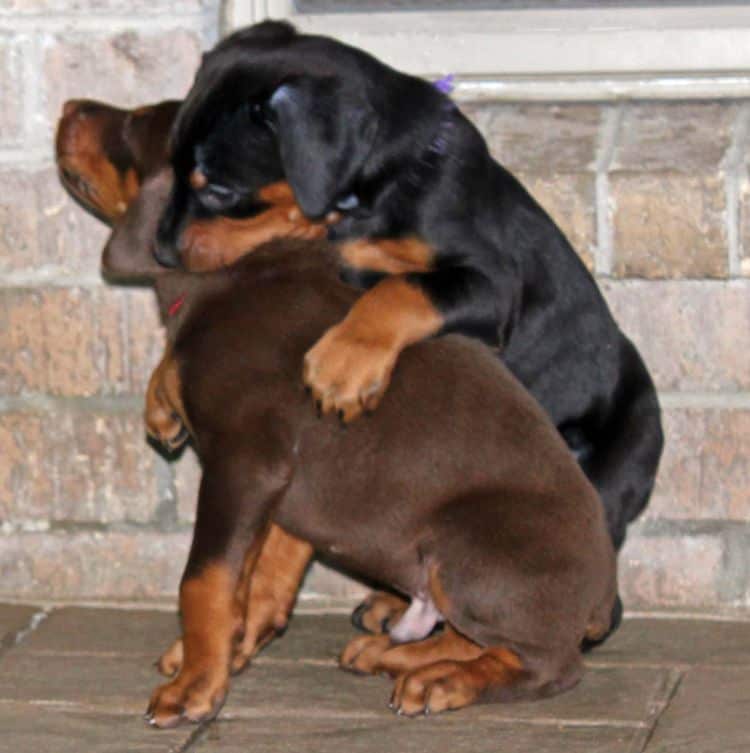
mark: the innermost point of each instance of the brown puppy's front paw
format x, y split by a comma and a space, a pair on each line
170, 662
196, 697
347, 372
362, 654
437, 687
378, 612
164, 425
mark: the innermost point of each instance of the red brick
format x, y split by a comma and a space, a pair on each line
671, 570
76, 465
669, 224
187, 482
570, 199
131, 7
674, 136
705, 470
78, 341
693, 335
44, 232
128, 68
540, 138
92, 565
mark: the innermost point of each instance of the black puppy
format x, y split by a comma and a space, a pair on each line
399, 160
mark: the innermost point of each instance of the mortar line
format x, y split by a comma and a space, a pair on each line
40, 403
29, 158
195, 737
103, 23
610, 128
733, 166
31, 104
653, 719
18, 636
50, 277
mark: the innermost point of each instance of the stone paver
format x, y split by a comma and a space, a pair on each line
436, 735
104, 631
674, 642
708, 714
80, 679
34, 729
12, 619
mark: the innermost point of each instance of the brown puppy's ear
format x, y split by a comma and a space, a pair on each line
128, 255
146, 134
326, 132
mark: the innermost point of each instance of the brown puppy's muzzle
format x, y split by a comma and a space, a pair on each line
129, 253
104, 183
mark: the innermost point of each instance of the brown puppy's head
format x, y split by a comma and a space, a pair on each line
113, 163
104, 152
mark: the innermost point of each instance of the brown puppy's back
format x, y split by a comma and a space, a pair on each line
458, 469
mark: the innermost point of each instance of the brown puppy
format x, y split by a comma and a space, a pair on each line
475, 508
103, 155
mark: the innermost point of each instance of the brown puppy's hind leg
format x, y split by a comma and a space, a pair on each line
271, 590
379, 611
377, 654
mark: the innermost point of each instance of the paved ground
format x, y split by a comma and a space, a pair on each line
76, 680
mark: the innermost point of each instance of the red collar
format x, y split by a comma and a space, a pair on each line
176, 305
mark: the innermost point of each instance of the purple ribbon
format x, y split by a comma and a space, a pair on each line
445, 84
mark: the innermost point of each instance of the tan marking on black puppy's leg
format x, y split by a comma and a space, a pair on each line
393, 256
348, 370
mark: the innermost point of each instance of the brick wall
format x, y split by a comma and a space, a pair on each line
655, 196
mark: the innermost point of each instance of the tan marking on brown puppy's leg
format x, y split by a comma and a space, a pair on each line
272, 588
450, 684
439, 597
379, 610
349, 368
165, 413
210, 621
376, 654
170, 661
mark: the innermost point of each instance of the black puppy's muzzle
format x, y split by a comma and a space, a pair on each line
166, 248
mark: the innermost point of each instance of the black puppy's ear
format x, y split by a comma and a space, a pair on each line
325, 132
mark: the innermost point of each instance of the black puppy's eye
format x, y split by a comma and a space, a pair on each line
221, 192
217, 197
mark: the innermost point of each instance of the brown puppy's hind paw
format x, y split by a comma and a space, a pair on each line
379, 611
362, 654
429, 690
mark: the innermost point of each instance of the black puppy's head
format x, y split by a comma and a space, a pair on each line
267, 104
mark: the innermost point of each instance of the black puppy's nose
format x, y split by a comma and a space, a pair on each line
165, 249
166, 254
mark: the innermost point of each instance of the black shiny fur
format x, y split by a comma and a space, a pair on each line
348, 131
